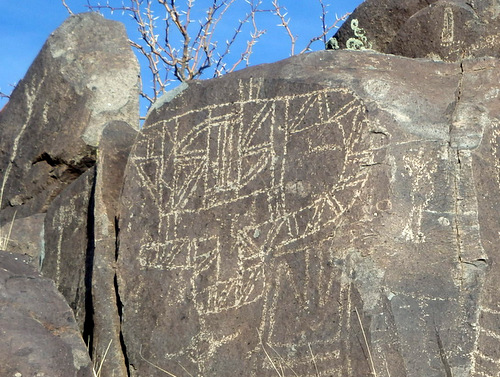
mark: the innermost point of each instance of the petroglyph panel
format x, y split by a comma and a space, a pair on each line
245, 198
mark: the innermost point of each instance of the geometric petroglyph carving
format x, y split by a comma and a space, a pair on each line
245, 197
448, 31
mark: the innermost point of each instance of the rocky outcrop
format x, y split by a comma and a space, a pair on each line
64, 140
66, 243
333, 214
39, 334
443, 29
381, 21
50, 128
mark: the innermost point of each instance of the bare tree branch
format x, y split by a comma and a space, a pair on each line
281, 13
179, 45
66, 6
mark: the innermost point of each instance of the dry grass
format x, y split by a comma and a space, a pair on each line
281, 365
372, 365
161, 369
99, 369
5, 238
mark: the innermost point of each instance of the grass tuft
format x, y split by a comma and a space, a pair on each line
161, 369
5, 238
98, 373
372, 365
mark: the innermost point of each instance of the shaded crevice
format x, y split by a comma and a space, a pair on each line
455, 152
65, 171
442, 354
457, 204
460, 83
119, 305
88, 325
81, 166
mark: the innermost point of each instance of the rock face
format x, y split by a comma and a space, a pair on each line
442, 29
25, 236
64, 140
65, 258
273, 218
114, 148
39, 334
381, 20
50, 128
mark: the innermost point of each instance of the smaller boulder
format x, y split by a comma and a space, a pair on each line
39, 333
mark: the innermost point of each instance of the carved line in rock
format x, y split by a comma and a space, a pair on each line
30, 92
448, 31
487, 339
220, 161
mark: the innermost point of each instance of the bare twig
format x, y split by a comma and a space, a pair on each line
179, 45
268, 356
67, 7
281, 13
325, 32
313, 360
98, 373
5, 239
255, 35
154, 365
283, 361
187, 48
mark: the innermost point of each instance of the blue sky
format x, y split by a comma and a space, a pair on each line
26, 24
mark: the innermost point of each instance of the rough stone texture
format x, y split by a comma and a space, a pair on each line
68, 247
25, 236
263, 211
38, 330
114, 148
449, 30
381, 20
49, 130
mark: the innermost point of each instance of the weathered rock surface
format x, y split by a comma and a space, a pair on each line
114, 148
50, 128
25, 236
381, 20
38, 330
333, 214
67, 251
449, 30
264, 211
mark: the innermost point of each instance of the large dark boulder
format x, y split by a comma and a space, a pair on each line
38, 332
381, 21
287, 211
